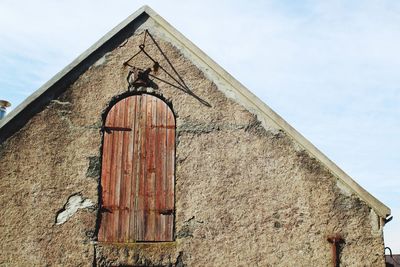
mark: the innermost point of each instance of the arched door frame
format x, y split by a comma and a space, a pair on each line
138, 171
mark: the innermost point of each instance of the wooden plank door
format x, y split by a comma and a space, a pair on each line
138, 167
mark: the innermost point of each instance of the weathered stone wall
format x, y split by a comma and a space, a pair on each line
245, 196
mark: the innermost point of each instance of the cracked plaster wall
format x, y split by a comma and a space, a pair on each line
245, 196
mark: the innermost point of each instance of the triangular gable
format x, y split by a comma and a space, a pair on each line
229, 85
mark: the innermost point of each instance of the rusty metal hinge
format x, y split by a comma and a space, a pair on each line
167, 212
109, 129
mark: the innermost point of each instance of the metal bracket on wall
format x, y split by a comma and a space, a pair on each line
138, 77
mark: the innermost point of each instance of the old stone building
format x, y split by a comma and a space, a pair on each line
144, 152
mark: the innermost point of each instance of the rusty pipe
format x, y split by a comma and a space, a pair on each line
335, 241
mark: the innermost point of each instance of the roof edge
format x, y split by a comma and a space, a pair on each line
27, 103
380, 208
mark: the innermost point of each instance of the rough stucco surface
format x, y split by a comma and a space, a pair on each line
245, 196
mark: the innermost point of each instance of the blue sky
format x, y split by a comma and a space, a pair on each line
330, 68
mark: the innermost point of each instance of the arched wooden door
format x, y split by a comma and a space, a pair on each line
138, 167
